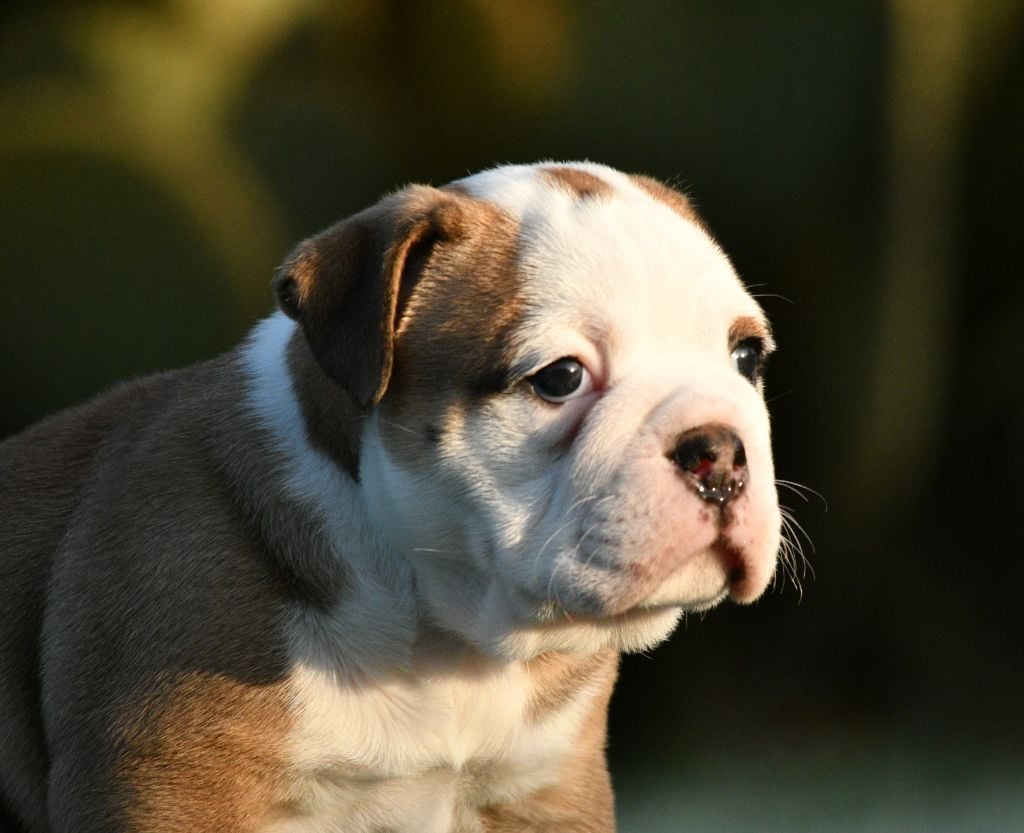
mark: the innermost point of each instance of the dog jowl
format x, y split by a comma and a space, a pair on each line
373, 569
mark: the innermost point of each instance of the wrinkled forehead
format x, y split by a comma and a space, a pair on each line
618, 258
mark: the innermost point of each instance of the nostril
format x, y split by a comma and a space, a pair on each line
693, 453
714, 462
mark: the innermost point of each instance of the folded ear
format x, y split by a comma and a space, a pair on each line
347, 285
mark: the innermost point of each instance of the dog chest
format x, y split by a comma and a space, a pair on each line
422, 753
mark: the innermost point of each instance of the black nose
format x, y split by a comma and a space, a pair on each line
713, 461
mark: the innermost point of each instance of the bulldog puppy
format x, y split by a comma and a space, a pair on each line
373, 569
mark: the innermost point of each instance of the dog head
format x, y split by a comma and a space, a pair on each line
564, 432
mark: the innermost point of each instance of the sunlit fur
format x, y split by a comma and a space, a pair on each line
521, 550
521, 537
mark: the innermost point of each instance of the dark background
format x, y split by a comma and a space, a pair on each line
861, 163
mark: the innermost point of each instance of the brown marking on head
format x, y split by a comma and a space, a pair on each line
453, 341
422, 281
205, 752
674, 199
581, 184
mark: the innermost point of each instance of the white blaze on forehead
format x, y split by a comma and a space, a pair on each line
521, 189
615, 263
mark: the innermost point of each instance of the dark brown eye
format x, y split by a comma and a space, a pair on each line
747, 358
561, 381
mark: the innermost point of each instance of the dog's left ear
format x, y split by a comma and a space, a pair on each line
347, 285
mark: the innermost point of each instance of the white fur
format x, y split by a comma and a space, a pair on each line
418, 751
355, 634
509, 549
310, 475
390, 733
522, 552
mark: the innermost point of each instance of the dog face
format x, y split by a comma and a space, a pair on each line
565, 433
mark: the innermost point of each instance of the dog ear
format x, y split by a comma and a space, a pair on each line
347, 286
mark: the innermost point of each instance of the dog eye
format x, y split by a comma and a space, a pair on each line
561, 381
746, 358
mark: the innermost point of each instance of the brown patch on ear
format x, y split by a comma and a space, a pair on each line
456, 334
294, 278
333, 421
581, 184
675, 200
208, 753
346, 286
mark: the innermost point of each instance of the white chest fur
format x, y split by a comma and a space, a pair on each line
422, 752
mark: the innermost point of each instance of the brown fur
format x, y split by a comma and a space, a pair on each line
333, 420
152, 558
557, 677
207, 753
675, 200
581, 184
453, 338
352, 319
347, 285
582, 801
108, 500
748, 327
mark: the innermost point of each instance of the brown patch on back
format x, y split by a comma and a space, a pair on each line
581, 184
170, 557
299, 551
675, 200
206, 753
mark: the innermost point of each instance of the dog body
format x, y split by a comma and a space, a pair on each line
373, 569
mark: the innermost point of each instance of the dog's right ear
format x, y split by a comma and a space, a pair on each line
347, 285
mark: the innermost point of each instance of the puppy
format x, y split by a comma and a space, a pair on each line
372, 570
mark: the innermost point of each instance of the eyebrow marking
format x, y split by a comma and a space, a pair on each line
747, 326
501, 378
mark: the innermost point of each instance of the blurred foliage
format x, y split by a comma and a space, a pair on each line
860, 161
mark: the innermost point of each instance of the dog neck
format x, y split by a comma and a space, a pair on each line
358, 586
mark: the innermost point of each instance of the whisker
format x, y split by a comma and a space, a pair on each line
579, 544
568, 520
551, 596
800, 489
792, 557
397, 425
760, 295
554, 572
787, 515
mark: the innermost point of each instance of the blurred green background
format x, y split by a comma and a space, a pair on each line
860, 161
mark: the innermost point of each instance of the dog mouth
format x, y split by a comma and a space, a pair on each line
636, 619
636, 590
